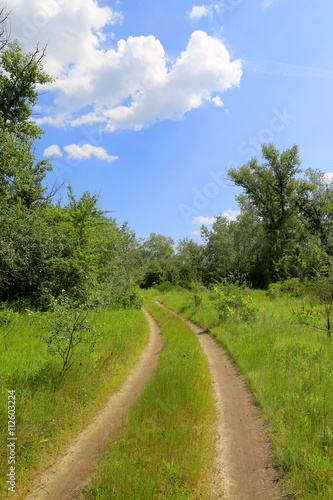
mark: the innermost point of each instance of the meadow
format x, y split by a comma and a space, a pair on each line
50, 410
165, 448
289, 369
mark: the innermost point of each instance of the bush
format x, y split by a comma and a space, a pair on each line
293, 287
249, 311
198, 291
66, 331
166, 286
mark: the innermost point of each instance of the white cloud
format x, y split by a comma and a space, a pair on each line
72, 29
86, 151
328, 177
197, 233
231, 215
199, 11
203, 220
217, 101
125, 86
53, 150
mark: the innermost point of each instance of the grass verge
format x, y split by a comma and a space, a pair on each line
50, 411
164, 448
289, 369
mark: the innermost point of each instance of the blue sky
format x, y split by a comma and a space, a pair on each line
155, 100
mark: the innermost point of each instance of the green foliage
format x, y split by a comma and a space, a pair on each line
198, 291
9, 320
311, 316
249, 311
291, 287
166, 286
66, 331
45, 249
21, 174
225, 304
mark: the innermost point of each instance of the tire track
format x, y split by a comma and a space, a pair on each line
244, 464
71, 473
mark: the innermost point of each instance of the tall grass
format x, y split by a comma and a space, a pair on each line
290, 371
164, 449
50, 410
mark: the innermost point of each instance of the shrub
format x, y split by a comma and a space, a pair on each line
67, 332
198, 291
249, 311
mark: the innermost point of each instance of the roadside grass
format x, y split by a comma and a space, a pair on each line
289, 369
49, 410
165, 447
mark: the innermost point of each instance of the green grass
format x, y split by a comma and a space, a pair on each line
289, 369
164, 450
49, 411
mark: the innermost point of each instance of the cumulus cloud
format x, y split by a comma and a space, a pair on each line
86, 151
199, 11
53, 150
203, 220
72, 30
128, 85
197, 233
137, 72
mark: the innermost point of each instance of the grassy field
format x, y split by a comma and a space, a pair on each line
165, 448
48, 410
289, 369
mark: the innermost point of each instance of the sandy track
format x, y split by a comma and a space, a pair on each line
69, 475
244, 463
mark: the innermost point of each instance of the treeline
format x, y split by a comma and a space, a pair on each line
47, 248
283, 230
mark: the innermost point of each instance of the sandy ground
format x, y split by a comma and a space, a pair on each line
244, 464
69, 475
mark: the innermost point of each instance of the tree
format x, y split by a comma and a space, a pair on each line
21, 174
315, 204
67, 332
189, 261
158, 258
270, 188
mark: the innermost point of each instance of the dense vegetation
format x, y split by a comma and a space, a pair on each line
47, 248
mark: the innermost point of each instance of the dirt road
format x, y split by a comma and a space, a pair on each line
244, 463
69, 475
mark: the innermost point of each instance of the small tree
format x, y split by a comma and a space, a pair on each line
9, 322
319, 318
67, 332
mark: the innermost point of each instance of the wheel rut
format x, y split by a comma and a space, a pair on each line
244, 464
70, 474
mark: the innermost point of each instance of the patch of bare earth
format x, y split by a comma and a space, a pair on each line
244, 468
70, 474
